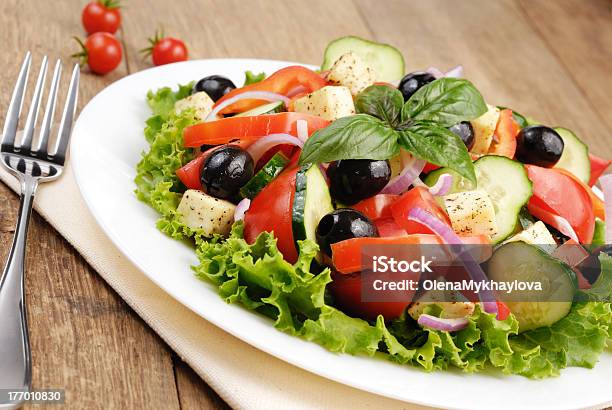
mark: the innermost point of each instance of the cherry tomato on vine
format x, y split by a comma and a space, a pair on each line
166, 50
101, 16
101, 51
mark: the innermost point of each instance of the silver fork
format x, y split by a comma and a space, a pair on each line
31, 165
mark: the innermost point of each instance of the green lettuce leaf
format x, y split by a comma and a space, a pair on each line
252, 78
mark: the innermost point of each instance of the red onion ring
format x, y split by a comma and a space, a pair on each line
241, 209
302, 130
606, 186
262, 145
559, 222
412, 168
456, 72
447, 325
247, 95
435, 72
442, 186
487, 298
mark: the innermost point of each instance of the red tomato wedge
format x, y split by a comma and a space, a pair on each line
346, 255
281, 82
270, 211
189, 174
598, 167
504, 141
376, 207
417, 197
228, 129
558, 193
599, 207
503, 311
346, 290
387, 227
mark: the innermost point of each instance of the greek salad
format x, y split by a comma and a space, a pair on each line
281, 182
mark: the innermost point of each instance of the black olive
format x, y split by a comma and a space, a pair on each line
226, 170
412, 82
591, 267
465, 131
352, 180
216, 86
539, 145
342, 224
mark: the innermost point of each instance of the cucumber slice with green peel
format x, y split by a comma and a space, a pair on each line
532, 121
311, 202
599, 236
386, 60
270, 108
575, 157
509, 188
521, 262
519, 118
460, 183
264, 176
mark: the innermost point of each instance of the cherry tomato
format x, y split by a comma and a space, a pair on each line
417, 197
101, 51
270, 211
101, 16
557, 193
377, 206
169, 50
507, 129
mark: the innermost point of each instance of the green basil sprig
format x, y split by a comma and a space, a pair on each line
384, 124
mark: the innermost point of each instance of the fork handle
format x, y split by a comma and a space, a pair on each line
15, 356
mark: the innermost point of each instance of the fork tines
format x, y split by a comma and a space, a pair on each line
42, 151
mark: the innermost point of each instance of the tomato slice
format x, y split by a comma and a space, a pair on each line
189, 174
503, 311
347, 255
599, 207
598, 167
377, 206
387, 227
417, 197
270, 211
228, 129
346, 290
504, 143
556, 192
281, 82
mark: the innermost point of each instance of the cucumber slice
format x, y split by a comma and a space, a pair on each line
386, 60
311, 202
460, 183
575, 157
519, 118
270, 108
263, 177
599, 236
527, 263
509, 188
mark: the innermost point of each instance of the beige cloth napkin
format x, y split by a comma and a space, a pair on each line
245, 377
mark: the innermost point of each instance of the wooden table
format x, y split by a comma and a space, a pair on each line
549, 59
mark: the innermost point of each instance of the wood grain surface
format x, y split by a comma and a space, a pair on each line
549, 60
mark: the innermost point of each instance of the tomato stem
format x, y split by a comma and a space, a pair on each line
81, 55
111, 4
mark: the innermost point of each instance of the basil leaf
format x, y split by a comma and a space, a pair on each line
381, 101
439, 146
359, 136
446, 101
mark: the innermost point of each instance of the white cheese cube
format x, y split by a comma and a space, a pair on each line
330, 103
208, 214
352, 72
537, 234
484, 128
200, 102
471, 213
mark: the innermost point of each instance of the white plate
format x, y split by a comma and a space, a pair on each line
106, 146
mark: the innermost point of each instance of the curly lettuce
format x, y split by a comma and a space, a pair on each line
257, 277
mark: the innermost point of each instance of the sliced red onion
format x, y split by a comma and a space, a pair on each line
241, 209
297, 90
302, 130
402, 182
447, 325
262, 145
559, 222
247, 95
487, 298
606, 186
442, 186
456, 72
